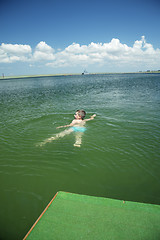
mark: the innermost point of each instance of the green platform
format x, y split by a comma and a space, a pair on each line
73, 216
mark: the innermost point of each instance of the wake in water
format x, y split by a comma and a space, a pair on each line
77, 126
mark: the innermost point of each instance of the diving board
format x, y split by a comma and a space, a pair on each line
73, 216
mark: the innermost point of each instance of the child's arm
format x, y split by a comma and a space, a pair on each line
69, 125
63, 126
91, 118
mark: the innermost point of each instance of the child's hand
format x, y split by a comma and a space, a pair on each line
58, 127
93, 116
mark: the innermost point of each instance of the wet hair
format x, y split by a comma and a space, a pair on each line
81, 113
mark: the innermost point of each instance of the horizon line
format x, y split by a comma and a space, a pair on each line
3, 77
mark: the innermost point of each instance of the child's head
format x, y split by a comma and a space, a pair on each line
81, 113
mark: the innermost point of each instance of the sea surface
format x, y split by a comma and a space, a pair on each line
120, 152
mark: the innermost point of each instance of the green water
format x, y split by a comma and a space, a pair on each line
119, 156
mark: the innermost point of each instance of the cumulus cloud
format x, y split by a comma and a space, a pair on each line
43, 52
16, 49
113, 52
102, 53
14, 52
43, 47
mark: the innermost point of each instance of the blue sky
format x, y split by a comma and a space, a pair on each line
58, 36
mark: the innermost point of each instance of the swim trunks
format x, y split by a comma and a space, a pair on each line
78, 129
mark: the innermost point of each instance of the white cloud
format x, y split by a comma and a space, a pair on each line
43, 52
14, 52
42, 56
97, 54
16, 49
43, 47
112, 52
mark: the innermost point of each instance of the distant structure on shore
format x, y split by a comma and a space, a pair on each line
150, 71
85, 72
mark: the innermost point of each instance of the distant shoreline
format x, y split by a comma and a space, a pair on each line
72, 74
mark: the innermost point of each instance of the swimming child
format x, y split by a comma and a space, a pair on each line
77, 126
